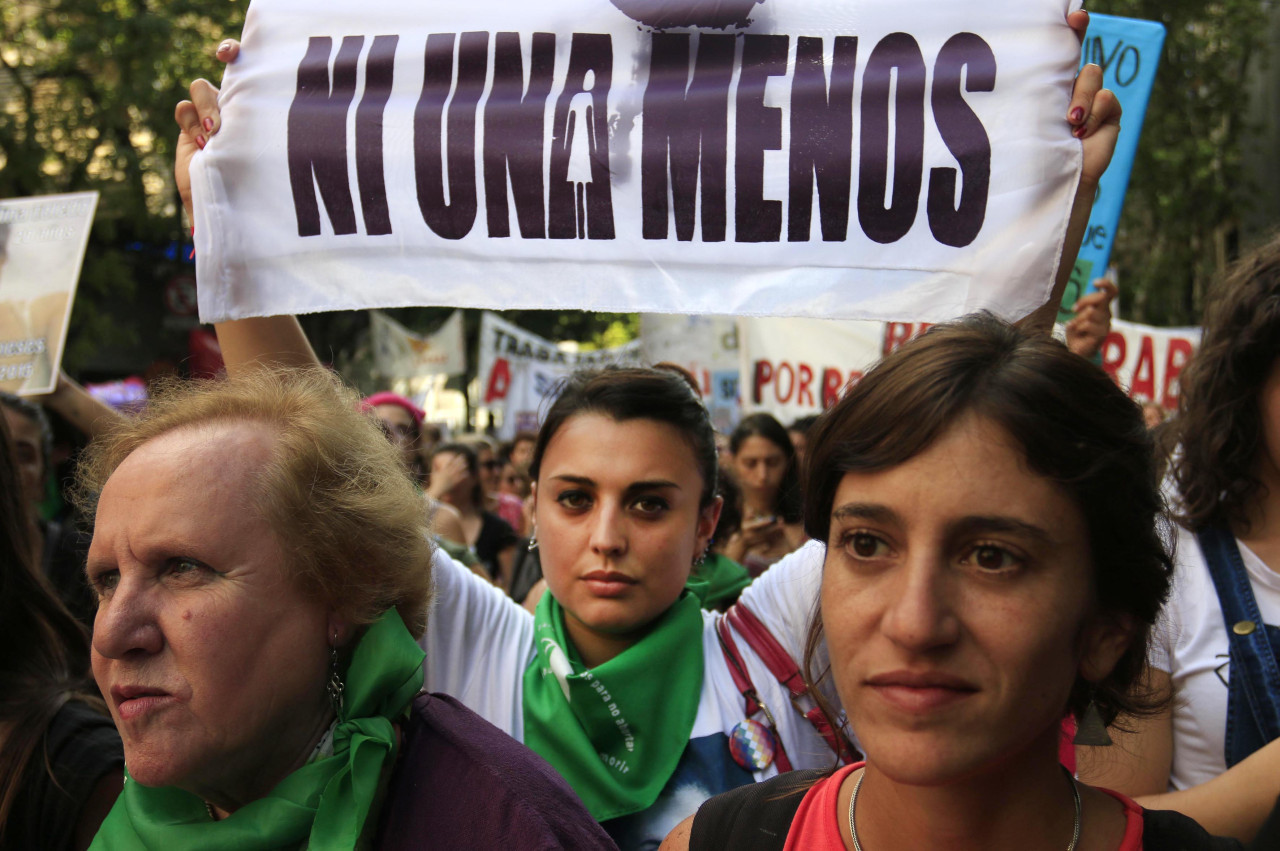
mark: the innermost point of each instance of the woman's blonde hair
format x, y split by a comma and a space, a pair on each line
335, 492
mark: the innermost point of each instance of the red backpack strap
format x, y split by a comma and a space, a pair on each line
786, 672
742, 681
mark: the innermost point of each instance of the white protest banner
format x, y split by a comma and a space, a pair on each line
400, 353
795, 367
849, 158
707, 346
519, 370
1146, 361
704, 345
42, 243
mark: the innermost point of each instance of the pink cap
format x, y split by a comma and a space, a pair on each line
386, 397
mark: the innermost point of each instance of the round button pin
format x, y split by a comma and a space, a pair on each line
1244, 628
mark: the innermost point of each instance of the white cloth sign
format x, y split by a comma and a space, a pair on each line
795, 367
841, 159
520, 371
399, 353
704, 345
42, 243
1146, 361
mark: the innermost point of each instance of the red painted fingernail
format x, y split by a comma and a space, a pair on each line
1079, 132
1077, 115
200, 142
208, 125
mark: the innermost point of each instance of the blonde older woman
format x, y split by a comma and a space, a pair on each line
262, 568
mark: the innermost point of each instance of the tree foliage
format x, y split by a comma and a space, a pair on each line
1185, 202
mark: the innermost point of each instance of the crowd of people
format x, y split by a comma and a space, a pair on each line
978, 603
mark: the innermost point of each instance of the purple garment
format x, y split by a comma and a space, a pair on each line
463, 783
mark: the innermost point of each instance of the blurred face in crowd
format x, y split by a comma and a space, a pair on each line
619, 524
957, 601
400, 429
760, 464
522, 453
212, 660
490, 469
442, 464
513, 481
27, 454
797, 443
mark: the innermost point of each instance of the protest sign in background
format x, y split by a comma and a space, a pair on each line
838, 159
399, 353
707, 346
795, 367
519, 370
1146, 361
42, 242
1128, 52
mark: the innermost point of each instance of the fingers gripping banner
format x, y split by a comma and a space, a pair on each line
861, 158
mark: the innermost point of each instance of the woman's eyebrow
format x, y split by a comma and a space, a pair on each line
651, 485
574, 480
866, 511
1000, 524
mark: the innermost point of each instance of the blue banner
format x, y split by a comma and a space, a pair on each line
1128, 51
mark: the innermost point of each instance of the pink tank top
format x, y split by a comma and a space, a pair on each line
816, 826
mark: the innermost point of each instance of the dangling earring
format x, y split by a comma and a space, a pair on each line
533, 540
336, 686
1091, 730
701, 558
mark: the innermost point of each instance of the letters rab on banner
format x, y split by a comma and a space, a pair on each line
842, 159
1147, 361
42, 243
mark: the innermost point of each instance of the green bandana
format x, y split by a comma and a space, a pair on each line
325, 804
718, 581
616, 731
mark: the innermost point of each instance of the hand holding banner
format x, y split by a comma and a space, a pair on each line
914, 165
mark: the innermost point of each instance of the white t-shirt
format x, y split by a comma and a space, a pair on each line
479, 643
1190, 644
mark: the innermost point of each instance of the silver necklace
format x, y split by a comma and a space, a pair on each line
853, 802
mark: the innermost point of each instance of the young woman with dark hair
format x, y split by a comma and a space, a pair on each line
764, 462
60, 756
993, 562
456, 480
1216, 754
619, 679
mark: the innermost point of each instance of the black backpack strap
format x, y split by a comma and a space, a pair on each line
755, 817
1166, 830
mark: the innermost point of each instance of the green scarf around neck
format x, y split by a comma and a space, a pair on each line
326, 804
718, 581
615, 732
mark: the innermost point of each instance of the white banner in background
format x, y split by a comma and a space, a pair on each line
795, 367
1146, 361
519, 370
399, 353
840, 159
707, 346
42, 243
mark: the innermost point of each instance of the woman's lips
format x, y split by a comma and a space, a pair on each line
608, 583
136, 701
918, 692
